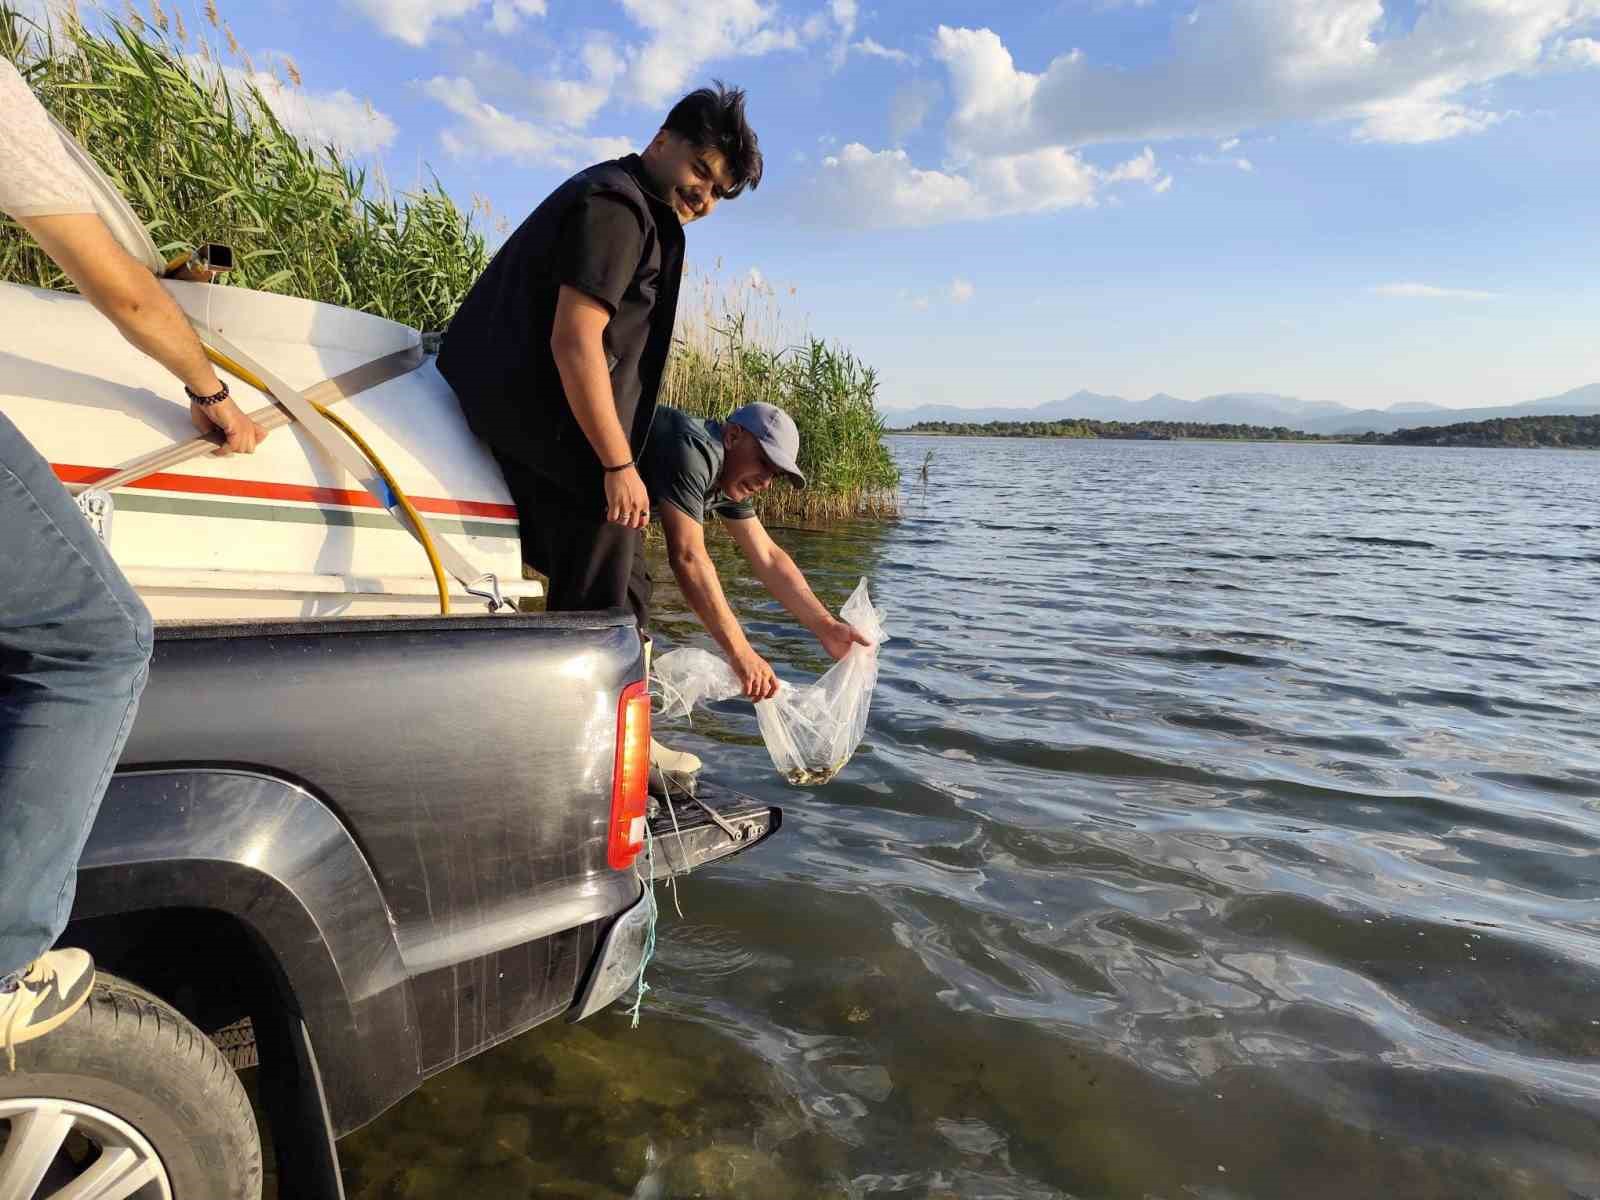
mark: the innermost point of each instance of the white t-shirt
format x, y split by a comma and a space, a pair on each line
37, 177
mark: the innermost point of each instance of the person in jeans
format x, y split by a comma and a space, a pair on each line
74, 637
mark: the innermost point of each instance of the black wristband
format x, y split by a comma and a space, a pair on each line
208, 401
632, 462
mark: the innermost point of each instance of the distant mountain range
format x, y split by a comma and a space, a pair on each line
1250, 408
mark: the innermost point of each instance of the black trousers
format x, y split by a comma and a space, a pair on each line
590, 563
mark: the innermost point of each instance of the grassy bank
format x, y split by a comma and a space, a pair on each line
174, 119
734, 347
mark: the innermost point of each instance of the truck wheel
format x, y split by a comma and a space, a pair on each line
128, 1100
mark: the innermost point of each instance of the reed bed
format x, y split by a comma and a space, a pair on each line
735, 347
196, 148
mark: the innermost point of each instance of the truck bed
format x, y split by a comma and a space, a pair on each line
407, 816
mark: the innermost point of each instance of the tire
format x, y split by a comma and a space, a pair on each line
131, 1055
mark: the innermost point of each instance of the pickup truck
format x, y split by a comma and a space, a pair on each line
361, 850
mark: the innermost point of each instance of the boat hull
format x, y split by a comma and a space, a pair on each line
284, 531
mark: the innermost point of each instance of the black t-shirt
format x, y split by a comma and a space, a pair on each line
680, 465
601, 232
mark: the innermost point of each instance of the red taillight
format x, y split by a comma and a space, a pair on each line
631, 777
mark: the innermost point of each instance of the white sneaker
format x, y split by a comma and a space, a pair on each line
672, 769
49, 992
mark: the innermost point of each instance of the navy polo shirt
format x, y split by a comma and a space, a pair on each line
681, 464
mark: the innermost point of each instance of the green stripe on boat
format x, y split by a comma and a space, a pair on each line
132, 501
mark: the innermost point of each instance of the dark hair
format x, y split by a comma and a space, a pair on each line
713, 119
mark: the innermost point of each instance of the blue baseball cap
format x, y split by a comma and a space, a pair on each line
776, 431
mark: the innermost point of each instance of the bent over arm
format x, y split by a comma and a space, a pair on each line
776, 570
697, 578
135, 302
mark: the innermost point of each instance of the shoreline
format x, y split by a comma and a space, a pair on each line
1308, 440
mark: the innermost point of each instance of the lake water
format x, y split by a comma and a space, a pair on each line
1228, 825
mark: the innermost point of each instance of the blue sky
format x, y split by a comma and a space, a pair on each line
991, 203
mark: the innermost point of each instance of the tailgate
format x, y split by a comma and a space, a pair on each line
714, 824
685, 834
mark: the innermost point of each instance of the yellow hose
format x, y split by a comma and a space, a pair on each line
423, 534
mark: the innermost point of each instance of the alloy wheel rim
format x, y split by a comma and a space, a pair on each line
64, 1150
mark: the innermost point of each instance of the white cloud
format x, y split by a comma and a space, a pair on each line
412, 21
1580, 52
322, 117
488, 132
1141, 169
570, 96
845, 13
874, 49
1415, 121
1425, 291
338, 117
575, 102
986, 83
910, 106
861, 187
687, 34
1213, 160
1228, 144
680, 37
44, 12
1242, 64
506, 16
883, 188
957, 291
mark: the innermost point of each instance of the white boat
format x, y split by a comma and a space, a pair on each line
283, 532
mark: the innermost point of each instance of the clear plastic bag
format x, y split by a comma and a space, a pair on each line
810, 731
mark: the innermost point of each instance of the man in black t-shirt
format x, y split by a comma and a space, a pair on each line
557, 353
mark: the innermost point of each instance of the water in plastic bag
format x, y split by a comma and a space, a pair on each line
810, 731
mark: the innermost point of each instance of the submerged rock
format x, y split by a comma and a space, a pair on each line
729, 1173
506, 1136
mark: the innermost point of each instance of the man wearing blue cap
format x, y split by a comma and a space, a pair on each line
693, 469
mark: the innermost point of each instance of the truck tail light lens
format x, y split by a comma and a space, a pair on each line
631, 777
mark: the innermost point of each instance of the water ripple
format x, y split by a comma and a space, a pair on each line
1228, 825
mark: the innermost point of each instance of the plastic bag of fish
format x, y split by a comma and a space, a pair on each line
810, 731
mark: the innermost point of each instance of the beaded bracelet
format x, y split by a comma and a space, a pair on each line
208, 401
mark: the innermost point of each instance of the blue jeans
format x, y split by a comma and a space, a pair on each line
74, 653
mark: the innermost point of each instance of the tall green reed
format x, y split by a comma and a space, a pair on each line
201, 156
736, 348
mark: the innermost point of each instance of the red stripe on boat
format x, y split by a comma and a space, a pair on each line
260, 489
